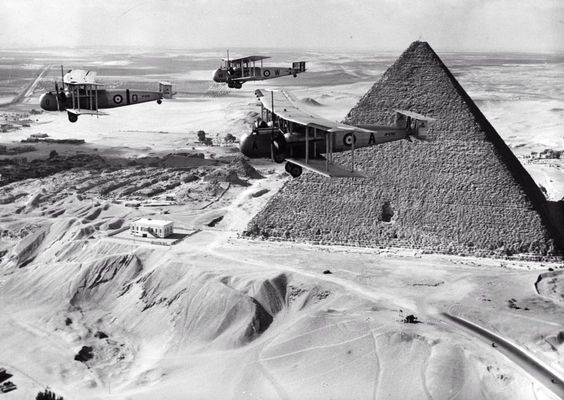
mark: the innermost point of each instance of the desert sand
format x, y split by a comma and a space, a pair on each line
220, 316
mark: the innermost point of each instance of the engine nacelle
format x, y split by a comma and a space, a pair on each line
264, 142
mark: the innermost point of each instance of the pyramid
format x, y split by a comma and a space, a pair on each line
461, 191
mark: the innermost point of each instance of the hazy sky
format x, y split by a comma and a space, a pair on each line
509, 25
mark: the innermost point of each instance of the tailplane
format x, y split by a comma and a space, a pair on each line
416, 124
299, 66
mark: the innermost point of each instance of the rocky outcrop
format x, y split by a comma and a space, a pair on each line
462, 191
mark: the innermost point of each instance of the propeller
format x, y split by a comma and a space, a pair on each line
57, 96
60, 97
227, 68
277, 143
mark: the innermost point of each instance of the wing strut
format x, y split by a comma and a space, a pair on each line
352, 153
272, 131
328, 149
307, 145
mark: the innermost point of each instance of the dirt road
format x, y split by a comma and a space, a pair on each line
28, 90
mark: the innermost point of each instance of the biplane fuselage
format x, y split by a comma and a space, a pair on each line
81, 94
238, 71
257, 143
106, 98
285, 132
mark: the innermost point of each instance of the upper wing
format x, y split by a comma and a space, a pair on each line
80, 77
247, 59
285, 107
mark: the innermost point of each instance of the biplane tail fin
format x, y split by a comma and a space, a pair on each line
299, 66
165, 89
416, 124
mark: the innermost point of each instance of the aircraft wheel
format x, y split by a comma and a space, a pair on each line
73, 117
279, 158
295, 75
293, 169
159, 101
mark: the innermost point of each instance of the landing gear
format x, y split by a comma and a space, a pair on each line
235, 85
293, 169
279, 159
159, 101
72, 117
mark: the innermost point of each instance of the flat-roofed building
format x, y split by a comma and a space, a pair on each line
147, 227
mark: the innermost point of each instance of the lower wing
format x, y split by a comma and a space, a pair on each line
323, 167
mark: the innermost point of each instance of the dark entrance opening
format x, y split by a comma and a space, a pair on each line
387, 212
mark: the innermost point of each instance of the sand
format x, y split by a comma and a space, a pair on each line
217, 316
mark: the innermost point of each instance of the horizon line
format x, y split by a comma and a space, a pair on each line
307, 49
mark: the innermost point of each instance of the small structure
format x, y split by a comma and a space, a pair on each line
166, 89
147, 227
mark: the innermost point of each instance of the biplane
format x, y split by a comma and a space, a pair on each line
237, 71
307, 141
81, 94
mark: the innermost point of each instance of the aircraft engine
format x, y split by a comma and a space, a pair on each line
48, 102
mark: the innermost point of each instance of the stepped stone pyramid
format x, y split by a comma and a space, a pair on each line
463, 191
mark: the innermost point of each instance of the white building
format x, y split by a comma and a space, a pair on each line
147, 227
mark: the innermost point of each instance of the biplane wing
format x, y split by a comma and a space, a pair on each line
80, 77
415, 115
244, 79
285, 107
321, 166
82, 111
246, 59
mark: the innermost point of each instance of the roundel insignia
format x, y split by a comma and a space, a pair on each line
118, 99
266, 73
348, 139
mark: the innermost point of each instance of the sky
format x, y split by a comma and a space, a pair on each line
387, 25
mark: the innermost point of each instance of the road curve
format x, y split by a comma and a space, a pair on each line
541, 372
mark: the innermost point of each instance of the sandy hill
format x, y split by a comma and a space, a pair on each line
461, 191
